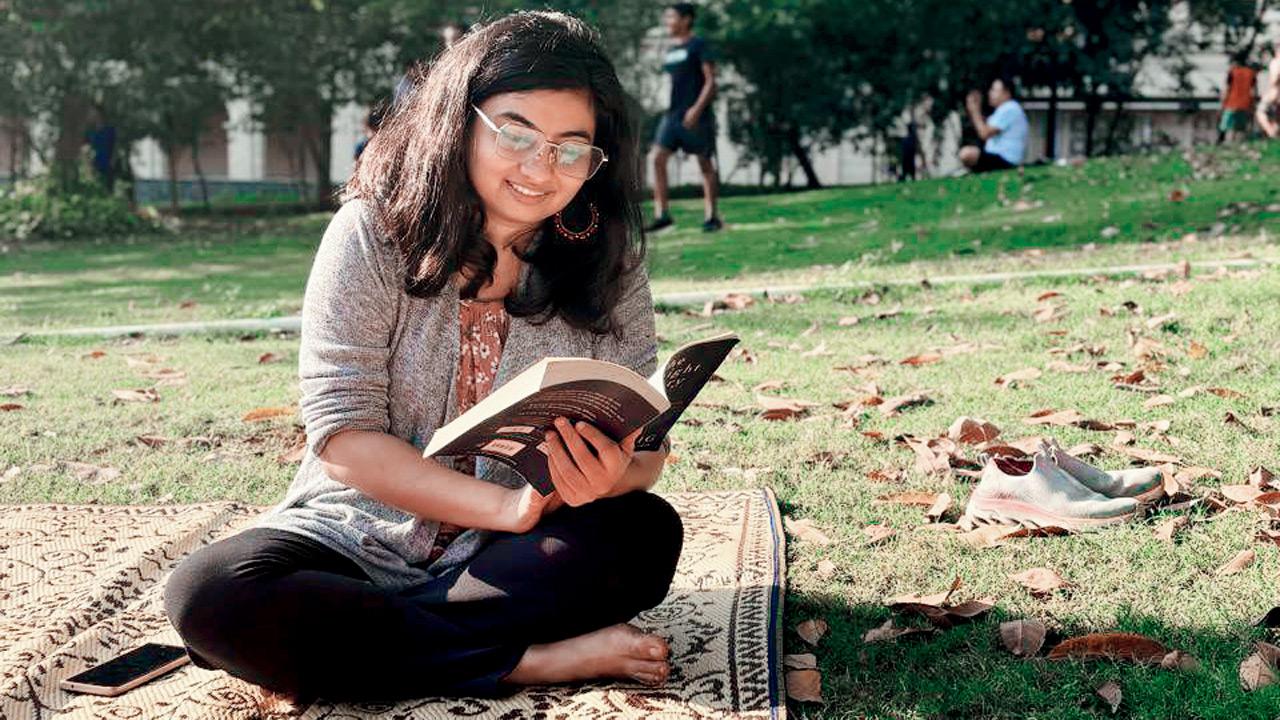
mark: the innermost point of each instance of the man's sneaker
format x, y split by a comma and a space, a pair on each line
664, 221
1145, 485
1036, 492
712, 224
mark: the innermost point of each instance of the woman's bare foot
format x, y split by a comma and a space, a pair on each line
618, 651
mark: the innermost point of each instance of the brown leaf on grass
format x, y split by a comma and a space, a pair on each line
988, 536
166, 377
769, 386
1110, 646
1085, 450
931, 456
1179, 660
151, 441
1046, 295
1261, 477
910, 497
937, 609
92, 474
1156, 401
1196, 351
1048, 312
779, 408
1241, 494
266, 413
1110, 692
804, 686
1041, 582
268, 357
895, 405
186, 304
1054, 417
800, 661
94, 355
848, 321
1169, 528
10, 407
142, 395
1066, 367
806, 530
1258, 670
1022, 638
972, 431
939, 508
1018, 378
1230, 418
812, 631
921, 359
886, 475
888, 631
1242, 560
1227, 393
877, 534
826, 569
15, 391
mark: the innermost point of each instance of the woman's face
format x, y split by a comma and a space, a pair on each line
524, 194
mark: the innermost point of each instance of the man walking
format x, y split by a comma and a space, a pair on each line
1268, 115
1004, 133
688, 124
1237, 99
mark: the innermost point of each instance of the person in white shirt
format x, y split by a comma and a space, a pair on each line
1004, 133
1268, 113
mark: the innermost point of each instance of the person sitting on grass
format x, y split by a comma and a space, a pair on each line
1004, 133
493, 220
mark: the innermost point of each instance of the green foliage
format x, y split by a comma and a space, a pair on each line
39, 209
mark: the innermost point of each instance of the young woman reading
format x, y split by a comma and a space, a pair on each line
491, 222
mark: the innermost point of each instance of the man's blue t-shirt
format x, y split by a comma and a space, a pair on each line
1011, 142
684, 62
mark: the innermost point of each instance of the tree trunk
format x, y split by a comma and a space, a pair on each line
1109, 147
1092, 106
171, 153
195, 163
802, 156
73, 116
316, 140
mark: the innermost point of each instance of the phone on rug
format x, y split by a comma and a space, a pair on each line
125, 672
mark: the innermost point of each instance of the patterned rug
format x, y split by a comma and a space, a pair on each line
82, 583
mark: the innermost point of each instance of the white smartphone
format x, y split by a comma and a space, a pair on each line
125, 672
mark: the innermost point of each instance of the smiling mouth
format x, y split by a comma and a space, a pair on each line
525, 191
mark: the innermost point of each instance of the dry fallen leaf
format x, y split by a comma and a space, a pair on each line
143, 395
1110, 691
1241, 494
1258, 670
939, 508
93, 474
1261, 477
268, 357
889, 631
10, 407
812, 631
804, 685
921, 359
806, 530
877, 534
909, 497
769, 386
972, 431
800, 661
1023, 638
894, 405
1040, 581
1110, 646
1156, 401
988, 536
265, 413
1170, 528
1178, 660
1018, 378
1242, 560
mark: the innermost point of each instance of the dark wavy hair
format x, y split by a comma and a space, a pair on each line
413, 173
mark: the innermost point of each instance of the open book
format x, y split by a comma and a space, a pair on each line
510, 425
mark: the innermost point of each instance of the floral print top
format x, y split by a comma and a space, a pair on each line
484, 325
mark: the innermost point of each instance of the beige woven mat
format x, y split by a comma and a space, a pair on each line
82, 583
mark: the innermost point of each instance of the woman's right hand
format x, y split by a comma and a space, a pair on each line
525, 507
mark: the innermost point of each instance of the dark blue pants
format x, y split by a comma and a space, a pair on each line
280, 610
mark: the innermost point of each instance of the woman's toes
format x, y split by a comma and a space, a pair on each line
651, 647
649, 670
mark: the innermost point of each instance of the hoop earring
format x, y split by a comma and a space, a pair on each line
578, 235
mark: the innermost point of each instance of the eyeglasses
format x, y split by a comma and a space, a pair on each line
516, 142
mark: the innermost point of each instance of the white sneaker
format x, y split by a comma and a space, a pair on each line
1146, 485
1036, 492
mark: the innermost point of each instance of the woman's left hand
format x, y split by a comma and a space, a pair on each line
585, 464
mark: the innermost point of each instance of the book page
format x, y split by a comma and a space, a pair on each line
683, 377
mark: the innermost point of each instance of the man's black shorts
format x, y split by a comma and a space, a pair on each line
990, 161
673, 135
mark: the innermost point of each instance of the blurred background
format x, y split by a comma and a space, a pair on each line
223, 103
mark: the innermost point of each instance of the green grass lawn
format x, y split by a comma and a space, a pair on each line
257, 268
1124, 578
822, 466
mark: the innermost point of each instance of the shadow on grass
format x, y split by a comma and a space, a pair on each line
965, 672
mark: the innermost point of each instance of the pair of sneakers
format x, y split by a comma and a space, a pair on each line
1055, 489
711, 224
